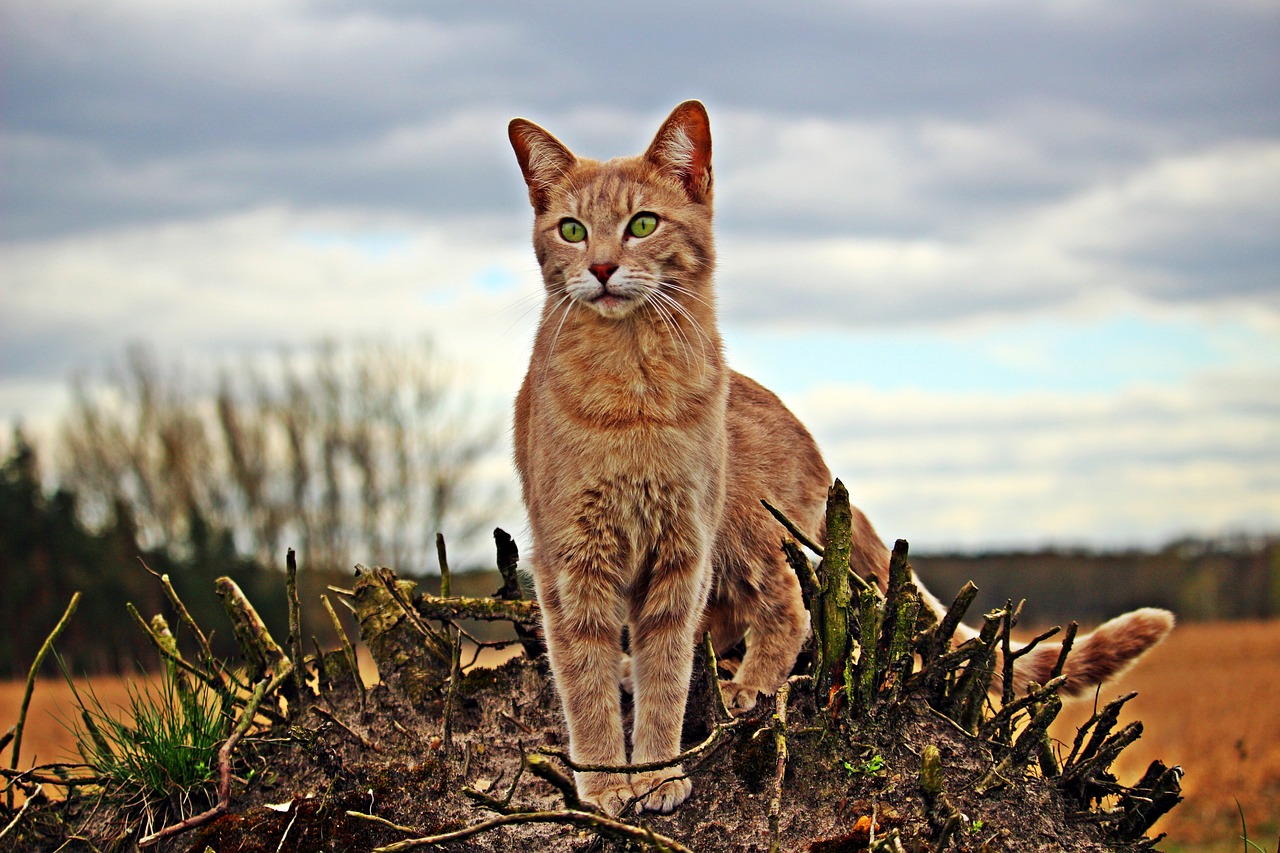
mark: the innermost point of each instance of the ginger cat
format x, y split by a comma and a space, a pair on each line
643, 459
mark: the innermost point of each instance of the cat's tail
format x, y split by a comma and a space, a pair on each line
1096, 657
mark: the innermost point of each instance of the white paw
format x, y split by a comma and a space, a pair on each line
661, 790
738, 698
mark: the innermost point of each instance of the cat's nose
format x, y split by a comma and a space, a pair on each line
603, 271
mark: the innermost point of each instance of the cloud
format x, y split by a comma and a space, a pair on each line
1197, 227
223, 180
965, 469
255, 281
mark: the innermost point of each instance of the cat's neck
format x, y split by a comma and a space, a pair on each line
645, 367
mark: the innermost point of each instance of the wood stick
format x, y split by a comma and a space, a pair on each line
31, 683
295, 626
793, 529
588, 820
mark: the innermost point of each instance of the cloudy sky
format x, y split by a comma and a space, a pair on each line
1016, 263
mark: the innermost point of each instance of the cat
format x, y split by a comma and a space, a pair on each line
643, 460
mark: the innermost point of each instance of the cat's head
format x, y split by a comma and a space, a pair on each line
629, 232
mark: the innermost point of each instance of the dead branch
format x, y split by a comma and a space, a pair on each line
793, 529
31, 683
779, 725
22, 811
708, 744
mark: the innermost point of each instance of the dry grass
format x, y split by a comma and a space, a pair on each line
1207, 701
1206, 698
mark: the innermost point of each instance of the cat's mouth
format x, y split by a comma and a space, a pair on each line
611, 302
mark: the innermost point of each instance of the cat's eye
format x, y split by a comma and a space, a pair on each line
572, 230
642, 225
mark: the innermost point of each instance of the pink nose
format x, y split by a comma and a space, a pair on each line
603, 271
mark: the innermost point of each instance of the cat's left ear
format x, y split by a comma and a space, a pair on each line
683, 149
543, 159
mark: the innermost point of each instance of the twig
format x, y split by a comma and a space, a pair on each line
26, 805
295, 624
508, 556
171, 654
692, 752
546, 771
833, 574
1005, 715
946, 629
348, 650
809, 588
211, 662
455, 673
485, 609
250, 631
443, 557
438, 646
795, 531
719, 710
1018, 754
31, 683
508, 560
382, 821
359, 738
1068, 640
1102, 723
590, 820
20, 776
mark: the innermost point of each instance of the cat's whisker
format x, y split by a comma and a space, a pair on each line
684, 291
663, 302
677, 336
567, 298
703, 338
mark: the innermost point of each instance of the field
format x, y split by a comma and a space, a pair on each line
1206, 698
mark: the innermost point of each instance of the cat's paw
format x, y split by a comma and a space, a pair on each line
608, 792
661, 790
624, 676
738, 698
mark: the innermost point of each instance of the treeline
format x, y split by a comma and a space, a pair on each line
46, 554
1198, 579
345, 453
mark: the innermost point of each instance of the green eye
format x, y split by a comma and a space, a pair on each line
572, 230
642, 225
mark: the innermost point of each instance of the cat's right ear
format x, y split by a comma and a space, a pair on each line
543, 159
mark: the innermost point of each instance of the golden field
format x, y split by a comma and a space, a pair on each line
1207, 699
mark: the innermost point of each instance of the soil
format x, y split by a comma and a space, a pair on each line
380, 755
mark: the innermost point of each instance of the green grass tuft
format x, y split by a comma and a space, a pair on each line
157, 752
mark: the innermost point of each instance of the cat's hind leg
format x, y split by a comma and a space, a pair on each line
777, 625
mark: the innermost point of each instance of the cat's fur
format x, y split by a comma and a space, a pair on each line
644, 458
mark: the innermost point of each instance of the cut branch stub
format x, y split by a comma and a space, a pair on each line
508, 560
836, 593
261, 649
412, 657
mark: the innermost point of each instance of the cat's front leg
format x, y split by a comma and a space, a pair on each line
664, 629
583, 635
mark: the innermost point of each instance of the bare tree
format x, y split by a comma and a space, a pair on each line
345, 452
